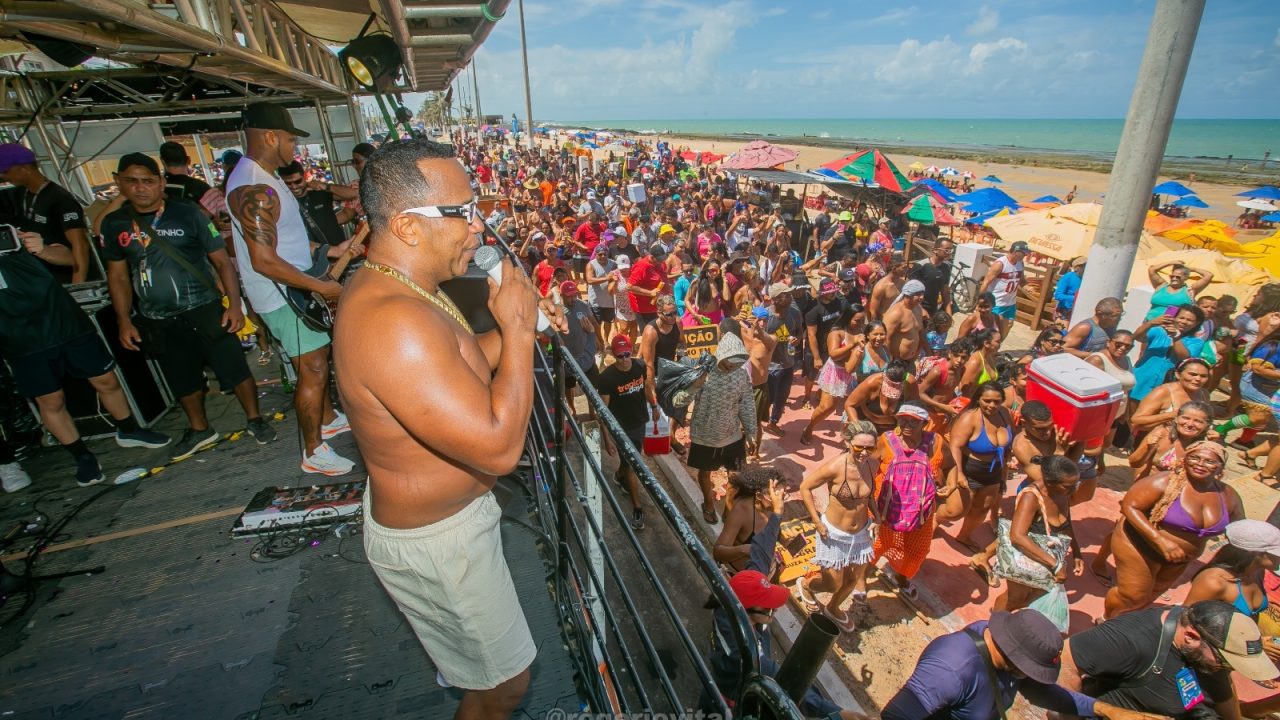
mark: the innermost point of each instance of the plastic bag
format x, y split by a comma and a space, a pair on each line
672, 378
1053, 605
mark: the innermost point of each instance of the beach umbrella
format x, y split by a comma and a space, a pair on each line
870, 166
968, 175
689, 155
1085, 213
992, 179
987, 198
1047, 199
1257, 204
1053, 237
1271, 217
948, 170
983, 217
944, 193
916, 166
1266, 192
759, 155
1210, 234
710, 157
924, 209
933, 169
590, 146
1190, 201
1172, 187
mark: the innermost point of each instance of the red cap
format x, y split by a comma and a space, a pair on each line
755, 591
620, 344
568, 288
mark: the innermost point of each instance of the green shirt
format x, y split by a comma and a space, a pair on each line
162, 286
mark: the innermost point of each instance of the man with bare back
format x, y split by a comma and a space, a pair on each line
886, 289
904, 322
272, 250
760, 345
439, 414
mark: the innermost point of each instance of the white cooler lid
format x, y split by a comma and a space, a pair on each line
1075, 376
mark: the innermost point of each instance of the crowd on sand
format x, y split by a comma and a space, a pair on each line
821, 312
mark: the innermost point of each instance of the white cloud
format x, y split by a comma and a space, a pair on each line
984, 51
988, 20
896, 16
919, 62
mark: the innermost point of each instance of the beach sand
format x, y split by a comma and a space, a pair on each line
1023, 182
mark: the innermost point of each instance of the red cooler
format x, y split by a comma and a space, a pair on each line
1084, 400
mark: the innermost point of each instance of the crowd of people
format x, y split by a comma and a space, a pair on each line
818, 313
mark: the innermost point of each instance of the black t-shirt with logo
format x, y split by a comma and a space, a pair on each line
625, 390
184, 187
320, 219
36, 312
823, 316
161, 286
51, 212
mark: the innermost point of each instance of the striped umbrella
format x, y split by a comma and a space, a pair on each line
870, 166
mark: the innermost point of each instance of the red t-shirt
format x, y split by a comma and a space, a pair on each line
543, 274
589, 235
645, 274
483, 174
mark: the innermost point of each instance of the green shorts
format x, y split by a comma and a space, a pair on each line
295, 337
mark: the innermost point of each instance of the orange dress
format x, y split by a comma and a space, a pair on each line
906, 550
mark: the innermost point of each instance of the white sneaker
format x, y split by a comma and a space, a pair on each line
13, 477
327, 462
335, 428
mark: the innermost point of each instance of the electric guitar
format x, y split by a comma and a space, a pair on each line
312, 307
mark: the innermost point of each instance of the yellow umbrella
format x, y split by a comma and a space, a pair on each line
917, 166
1212, 234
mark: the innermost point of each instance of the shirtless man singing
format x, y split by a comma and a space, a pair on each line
438, 414
904, 323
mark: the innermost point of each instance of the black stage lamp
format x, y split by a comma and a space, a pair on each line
373, 60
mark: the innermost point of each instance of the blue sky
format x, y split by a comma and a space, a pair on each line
622, 59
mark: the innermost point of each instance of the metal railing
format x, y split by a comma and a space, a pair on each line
617, 609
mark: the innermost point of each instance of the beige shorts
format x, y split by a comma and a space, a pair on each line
451, 581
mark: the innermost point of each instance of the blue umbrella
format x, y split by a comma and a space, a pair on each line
989, 197
1172, 187
993, 178
1047, 198
944, 192
1266, 192
982, 217
1271, 217
1191, 201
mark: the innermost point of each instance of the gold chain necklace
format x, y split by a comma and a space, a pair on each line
439, 299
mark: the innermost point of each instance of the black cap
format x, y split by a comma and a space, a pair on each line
657, 252
268, 116
128, 161
1019, 246
848, 274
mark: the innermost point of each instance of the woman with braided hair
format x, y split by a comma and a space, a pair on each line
1165, 521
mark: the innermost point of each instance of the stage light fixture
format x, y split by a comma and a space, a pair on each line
373, 60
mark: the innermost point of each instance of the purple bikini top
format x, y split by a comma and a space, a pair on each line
1178, 517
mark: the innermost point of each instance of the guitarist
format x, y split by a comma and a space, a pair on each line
272, 250
315, 201
159, 252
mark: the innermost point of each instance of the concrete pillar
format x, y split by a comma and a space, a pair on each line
1142, 145
528, 96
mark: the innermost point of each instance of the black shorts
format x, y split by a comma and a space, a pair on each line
40, 373
184, 344
636, 436
979, 474
603, 314
593, 375
806, 366
730, 457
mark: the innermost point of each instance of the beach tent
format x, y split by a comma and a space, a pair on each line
870, 166
943, 193
1172, 187
759, 155
1257, 204
1266, 192
992, 179
926, 210
1190, 201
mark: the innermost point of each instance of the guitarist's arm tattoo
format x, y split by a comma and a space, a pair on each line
257, 209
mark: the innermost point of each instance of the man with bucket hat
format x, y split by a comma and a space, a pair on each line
976, 673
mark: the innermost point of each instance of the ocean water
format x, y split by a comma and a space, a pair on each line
1240, 139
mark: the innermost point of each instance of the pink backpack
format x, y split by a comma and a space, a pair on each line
907, 492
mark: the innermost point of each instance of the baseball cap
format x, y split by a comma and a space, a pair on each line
759, 311
848, 274
914, 411
657, 252
607, 235
568, 288
778, 288
1019, 246
620, 230
845, 215
1235, 636
827, 286
913, 287
12, 154
1032, 644
620, 344
1255, 536
269, 116
755, 591
884, 221
623, 262
129, 160
591, 194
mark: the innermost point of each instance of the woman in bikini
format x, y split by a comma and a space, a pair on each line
870, 357
981, 366
833, 379
982, 317
1166, 444
1237, 572
747, 508
1159, 405
845, 528
1165, 521
878, 398
980, 441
